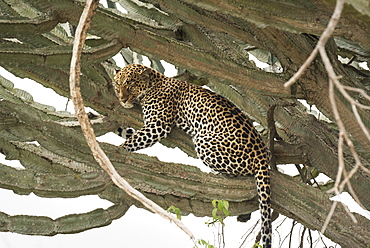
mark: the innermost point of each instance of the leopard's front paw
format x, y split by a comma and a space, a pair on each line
126, 133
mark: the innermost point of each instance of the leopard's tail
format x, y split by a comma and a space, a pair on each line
262, 178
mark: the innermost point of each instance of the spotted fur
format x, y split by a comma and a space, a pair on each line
224, 137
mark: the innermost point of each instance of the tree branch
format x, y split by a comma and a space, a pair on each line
73, 223
86, 127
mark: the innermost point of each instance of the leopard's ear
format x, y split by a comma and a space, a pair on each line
117, 70
145, 76
146, 72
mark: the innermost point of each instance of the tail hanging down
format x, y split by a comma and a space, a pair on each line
262, 178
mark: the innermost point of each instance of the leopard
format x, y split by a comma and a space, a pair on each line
224, 137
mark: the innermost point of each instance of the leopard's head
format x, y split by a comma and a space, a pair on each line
130, 83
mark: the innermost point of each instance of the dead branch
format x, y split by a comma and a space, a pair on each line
343, 137
86, 127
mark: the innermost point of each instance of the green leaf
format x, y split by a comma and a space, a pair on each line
175, 210
204, 243
214, 203
214, 213
226, 212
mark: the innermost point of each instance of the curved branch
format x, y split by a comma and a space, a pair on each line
86, 127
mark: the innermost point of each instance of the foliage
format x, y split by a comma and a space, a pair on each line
175, 210
257, 245
204, 244
219, 205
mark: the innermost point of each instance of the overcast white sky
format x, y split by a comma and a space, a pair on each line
137, 228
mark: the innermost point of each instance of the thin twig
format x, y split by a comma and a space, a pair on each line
361, 91
349, 185
302, 237
248, 233
291, 233
349, 212
328, 218
223, 245
305, 65
67, 104
86, 127
310, 238
354, 103
359, 121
